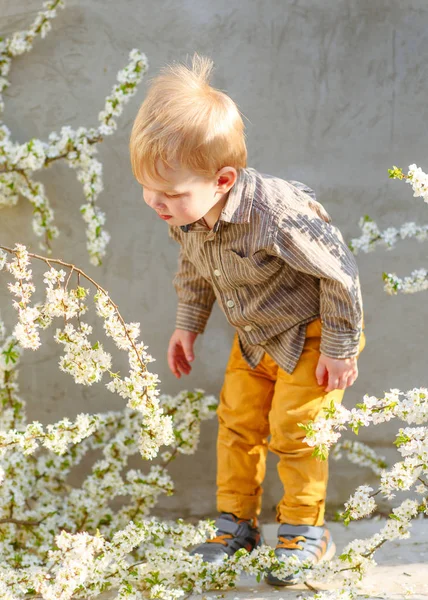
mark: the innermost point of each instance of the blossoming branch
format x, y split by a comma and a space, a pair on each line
372, 236
77, 147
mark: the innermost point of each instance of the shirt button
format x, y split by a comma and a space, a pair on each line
230, 303
248, 328
262, 343
217, 273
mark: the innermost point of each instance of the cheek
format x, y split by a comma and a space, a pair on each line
200, 202
186, 207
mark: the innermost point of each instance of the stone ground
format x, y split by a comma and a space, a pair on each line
402, 567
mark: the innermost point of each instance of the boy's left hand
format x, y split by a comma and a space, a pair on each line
340, 373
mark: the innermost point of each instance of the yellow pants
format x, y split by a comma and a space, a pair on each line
256, 403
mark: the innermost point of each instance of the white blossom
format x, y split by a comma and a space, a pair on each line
74, 540
3, 260
77, 147
359, 454
419, 182
86, 362
372, 236
360, 504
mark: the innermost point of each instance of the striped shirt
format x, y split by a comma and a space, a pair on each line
274, 262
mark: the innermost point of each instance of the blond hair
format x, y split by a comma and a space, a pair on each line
186, 121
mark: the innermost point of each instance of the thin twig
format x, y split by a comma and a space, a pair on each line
374, 494
51, 159
311, 587
18, 522
36, 208
78, 299
58, 261
93, 140
68, 278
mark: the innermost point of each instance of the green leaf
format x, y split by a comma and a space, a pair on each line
11, 355
401, 439
395, 173
392, 516
105, 585
330, 411
346, 556
320, 452
241, 552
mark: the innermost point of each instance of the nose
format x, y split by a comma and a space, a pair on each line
154, 200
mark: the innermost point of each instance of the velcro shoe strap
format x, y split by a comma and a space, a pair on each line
308, 531
226, 526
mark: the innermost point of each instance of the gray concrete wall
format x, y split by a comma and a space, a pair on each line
334, 93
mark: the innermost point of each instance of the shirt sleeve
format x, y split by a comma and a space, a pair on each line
195, 294
303, 188
309, 243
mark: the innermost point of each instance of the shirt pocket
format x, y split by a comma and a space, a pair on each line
257, 268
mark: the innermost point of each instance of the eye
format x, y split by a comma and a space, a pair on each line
173, 195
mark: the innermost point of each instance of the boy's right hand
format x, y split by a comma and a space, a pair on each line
180, 351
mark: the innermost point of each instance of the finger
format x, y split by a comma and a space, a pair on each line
176, 371
351, 379
181, 358
184, 366
172, 363
170, 354
333, 382
320, 373
342, 382
172, 366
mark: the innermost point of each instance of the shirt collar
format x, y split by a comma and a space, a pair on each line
239, 201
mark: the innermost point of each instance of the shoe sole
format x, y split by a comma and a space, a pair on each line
283, 583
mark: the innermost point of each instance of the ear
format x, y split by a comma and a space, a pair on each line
225, 177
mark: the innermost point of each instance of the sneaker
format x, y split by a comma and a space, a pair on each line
305, 542
232, 535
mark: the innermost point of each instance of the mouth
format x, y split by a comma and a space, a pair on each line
165, 217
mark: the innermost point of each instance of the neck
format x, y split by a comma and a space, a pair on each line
213, 215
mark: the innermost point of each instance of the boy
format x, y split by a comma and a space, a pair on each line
266, 250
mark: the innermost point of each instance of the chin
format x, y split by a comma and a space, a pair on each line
181, 222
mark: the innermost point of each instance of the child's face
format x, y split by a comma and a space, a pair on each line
184, 198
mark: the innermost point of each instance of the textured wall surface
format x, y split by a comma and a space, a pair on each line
334, 93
